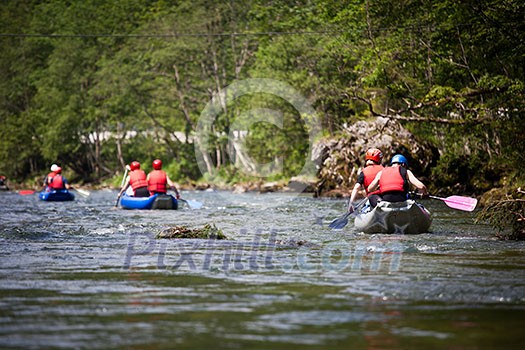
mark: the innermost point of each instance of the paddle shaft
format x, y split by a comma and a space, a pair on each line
118, 200
341, 222
360, 204
121, 184
83, 193
448, 199
124, 177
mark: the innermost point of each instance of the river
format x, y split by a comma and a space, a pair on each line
85, 275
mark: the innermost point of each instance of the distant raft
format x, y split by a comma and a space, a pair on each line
56, 195
406, 217
157, 201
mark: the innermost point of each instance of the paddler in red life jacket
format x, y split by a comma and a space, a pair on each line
373, 165
3, 183
137, 180
49, 177
54, 180
158, 180
394, 182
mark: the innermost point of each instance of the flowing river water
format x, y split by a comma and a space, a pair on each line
85, 275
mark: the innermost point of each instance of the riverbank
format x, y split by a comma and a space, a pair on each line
295, 184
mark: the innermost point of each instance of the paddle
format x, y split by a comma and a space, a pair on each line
459, 202
341, 222
191, 204
81, 192
26, 192
124, 177
122, 184
455, 202
118, 200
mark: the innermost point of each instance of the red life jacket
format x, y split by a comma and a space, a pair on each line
392, 180
157, 181
56, 182
49, 178
370, 173
137, 179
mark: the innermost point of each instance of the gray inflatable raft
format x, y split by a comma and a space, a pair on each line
406, 217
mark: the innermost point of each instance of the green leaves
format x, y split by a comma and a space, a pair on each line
102, 83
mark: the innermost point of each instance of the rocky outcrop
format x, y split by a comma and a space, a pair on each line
340, 157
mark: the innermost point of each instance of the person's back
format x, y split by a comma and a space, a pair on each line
157, 181
369, 174
57, 182
54, 180
393, 184
49, 177
373, 157
138, 181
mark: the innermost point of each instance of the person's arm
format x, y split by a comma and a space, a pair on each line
358, 186
65, 183
173, 187
418, 184
374, 185
125, 187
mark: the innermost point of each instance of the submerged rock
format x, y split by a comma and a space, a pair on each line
340, 157
207, 232
292, 243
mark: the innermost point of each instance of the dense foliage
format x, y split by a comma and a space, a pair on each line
94, 84
507, 215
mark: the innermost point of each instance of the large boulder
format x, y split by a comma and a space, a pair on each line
340, 157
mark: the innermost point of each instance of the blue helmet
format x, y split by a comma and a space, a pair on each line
399, 158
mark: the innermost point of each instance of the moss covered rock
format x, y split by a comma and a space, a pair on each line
207, 232
506, 213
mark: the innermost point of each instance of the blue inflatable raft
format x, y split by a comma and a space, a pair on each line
157, 201
56, 195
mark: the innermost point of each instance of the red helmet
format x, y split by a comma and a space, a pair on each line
58, 170
134, 165
374, 154
157, 164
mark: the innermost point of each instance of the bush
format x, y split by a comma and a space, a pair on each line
507, 215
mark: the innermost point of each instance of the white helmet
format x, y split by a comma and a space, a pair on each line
54, 167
